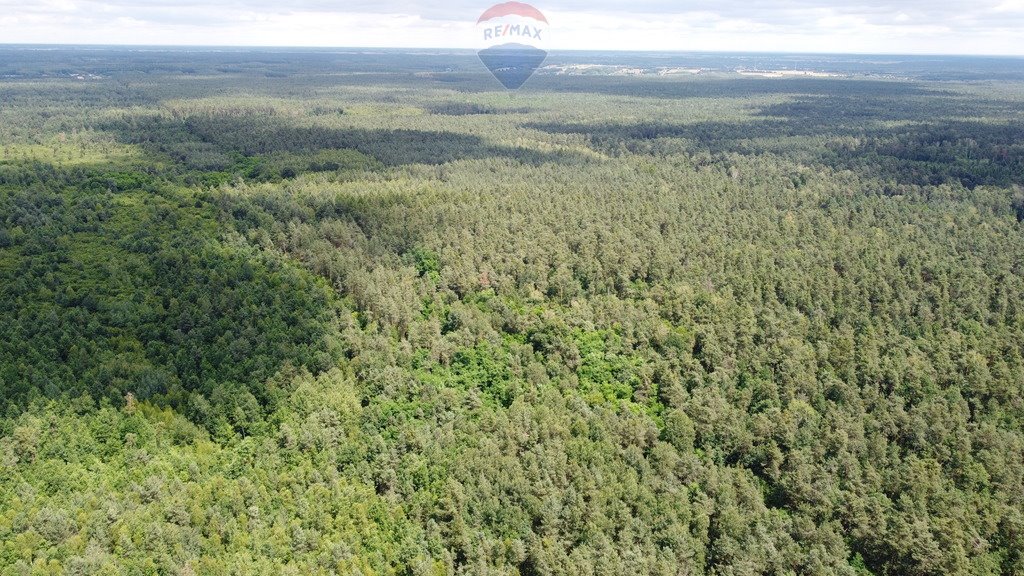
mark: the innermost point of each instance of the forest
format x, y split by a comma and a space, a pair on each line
303, 313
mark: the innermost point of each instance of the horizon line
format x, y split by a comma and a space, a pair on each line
472, 50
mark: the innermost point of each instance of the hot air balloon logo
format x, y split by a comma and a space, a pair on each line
512, 35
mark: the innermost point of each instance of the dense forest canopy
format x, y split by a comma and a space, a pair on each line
305, 313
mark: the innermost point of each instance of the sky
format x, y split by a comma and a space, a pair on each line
825, 26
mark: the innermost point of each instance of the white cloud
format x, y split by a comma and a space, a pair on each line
1010, 6
868, 26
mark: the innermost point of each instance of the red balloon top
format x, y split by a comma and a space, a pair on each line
512, 9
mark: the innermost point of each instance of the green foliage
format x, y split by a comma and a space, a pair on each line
142, 490
114, 290
604, 371
395, 324
427, 264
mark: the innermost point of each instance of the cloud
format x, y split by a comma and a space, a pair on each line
871, 26
1010, 6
